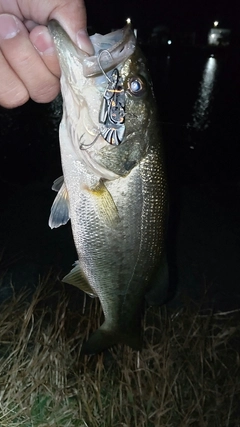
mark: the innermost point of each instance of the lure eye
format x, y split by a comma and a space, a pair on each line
136, 86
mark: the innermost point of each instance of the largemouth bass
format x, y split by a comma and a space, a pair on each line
114, 188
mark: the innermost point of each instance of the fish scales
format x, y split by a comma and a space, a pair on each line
114, 186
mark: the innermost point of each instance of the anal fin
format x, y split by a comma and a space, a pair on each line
77, 278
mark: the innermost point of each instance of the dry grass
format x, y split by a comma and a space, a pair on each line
188, 373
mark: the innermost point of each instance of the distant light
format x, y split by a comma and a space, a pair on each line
128, 20
169, 42
215, 23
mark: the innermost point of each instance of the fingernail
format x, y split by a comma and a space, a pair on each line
84, 42
8, 26
43, 42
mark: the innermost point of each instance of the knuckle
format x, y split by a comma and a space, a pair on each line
14, 99
45, 92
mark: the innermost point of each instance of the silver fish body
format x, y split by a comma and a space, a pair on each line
114, 188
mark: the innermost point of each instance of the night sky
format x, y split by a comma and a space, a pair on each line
189, 15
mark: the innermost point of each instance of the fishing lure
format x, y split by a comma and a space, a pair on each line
112, 111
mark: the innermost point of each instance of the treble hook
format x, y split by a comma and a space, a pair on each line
99, 64
83, 146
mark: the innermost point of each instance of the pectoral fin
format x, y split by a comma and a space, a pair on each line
77, 278
105, 206
57, 184
60, 210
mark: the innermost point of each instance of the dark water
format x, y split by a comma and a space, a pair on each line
199, 97
199, 102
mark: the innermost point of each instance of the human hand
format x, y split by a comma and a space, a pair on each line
29, 66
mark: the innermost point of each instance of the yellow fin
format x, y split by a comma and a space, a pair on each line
105, 205
77, 278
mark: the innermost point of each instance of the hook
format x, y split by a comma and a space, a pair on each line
83, 146
98, 60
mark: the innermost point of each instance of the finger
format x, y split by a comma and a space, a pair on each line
29, 24
12, 90
72, 17
44, 44
25, 61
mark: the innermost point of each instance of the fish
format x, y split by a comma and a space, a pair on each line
114, 185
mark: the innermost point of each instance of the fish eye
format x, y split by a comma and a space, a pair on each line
136, 86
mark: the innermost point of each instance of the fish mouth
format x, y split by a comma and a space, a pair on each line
87, 83
109, 49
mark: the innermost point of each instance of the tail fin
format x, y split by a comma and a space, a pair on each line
104, 338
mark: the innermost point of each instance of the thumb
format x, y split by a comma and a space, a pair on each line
72, 17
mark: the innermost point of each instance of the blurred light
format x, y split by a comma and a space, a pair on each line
202, 105
128, 20
215, 23
169, 42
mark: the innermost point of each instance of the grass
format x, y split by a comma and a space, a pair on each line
188, 373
